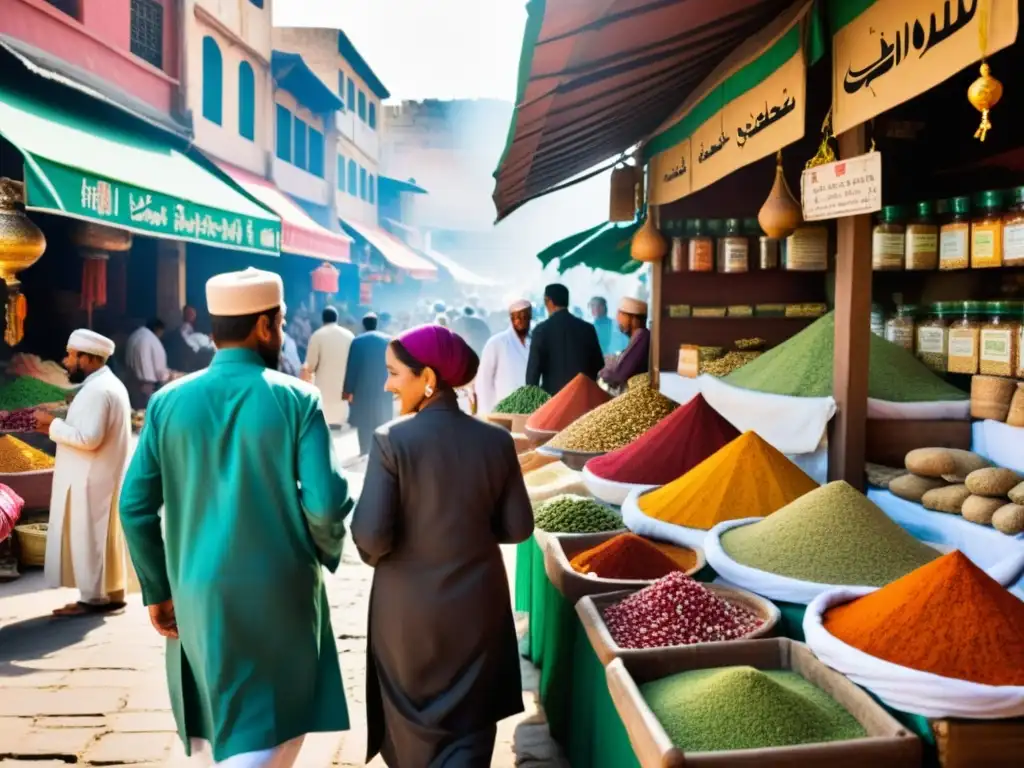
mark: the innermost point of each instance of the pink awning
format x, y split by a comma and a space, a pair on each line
300, 234
397, 253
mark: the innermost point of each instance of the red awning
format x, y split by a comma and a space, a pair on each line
394, 251
299, 233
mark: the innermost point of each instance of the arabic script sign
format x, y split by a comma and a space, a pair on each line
844, 188
898, 49
671, 174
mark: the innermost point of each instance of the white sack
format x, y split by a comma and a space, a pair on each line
645, 525
610, 491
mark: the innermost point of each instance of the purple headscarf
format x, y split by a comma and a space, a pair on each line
443, 350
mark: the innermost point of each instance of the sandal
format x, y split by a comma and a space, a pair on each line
88, 609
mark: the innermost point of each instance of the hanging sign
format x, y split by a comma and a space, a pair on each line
671, 174
843, 188
365, 294
898, 49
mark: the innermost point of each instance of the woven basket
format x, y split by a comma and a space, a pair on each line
32, 544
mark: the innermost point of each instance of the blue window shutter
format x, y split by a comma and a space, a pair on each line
246, 101
299, 159
362, 106
257, 3
351, 102
316, 152
371, 183
373, 115
341, 173
284, 134
213, 81
353, 178
341, 85
362, 183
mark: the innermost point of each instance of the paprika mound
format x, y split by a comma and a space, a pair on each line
673, 447
579, 396
746, 478
949, 618
628, 556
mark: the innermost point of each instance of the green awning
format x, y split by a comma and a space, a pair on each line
558, 249
94, 170
604, 247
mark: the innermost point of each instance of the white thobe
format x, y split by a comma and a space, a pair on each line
146, 357
327, 360
85, 547
502, 369
283, 756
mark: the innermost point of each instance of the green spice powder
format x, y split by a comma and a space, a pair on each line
714, 710
524, 400
27, 392
575, 514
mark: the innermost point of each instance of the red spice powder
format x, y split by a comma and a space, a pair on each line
678, 443
626, 556
578, 397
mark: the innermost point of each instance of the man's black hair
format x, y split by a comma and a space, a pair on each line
370, 323
330, 315
234, 330
155, 325
558, 294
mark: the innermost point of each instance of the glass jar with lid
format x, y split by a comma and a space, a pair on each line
878, 320
955, 233
922, 238
987, 230
1000, 336
700, 248
899, 329
733, 248
888, 239
933, 336
964, 336
676, 261
715, 228
1013, 230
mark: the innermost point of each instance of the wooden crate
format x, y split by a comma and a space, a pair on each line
888, 441
973, 743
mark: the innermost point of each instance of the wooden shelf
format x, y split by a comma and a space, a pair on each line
723, 331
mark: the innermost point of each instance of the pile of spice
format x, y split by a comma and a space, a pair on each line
579, 396
745, 478
949, 618
628, 556
17, 456
832, 535
640, 380
575, 514
526, 399
28, 392
616, 423
676, 610
730, 708
802, 366
677, 444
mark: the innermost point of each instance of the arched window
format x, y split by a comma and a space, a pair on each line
213, 81
353, 178
246, 101
362, 106
373, 115
370, 184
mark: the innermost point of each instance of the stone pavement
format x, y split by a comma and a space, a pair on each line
91, 691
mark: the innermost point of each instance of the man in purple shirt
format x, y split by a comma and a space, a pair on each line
634, 359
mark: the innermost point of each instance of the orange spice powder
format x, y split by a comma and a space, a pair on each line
579, 396
627, 556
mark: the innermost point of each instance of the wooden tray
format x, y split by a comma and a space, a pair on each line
888, 744
592, 607
34, 487
574, 585
572, 459
539, 436
513, 422
972, 743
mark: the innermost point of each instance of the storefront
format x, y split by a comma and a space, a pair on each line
391, 274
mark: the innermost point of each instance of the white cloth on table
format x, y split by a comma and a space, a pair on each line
502, 369
145, 356
1000, 443
283, 756
327, 359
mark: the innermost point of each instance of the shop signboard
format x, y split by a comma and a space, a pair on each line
843, 188
895, 50
671, 174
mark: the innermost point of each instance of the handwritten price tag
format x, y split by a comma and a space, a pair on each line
843, 188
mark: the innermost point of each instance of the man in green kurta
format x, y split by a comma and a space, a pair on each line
241, 460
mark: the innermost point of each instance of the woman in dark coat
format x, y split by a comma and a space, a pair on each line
442, 491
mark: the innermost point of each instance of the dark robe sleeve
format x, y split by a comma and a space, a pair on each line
536, 353
514, 517
632, 361
376, 515
350, 368
596, 355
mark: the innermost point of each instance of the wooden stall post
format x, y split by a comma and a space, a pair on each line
657, 269
853, 335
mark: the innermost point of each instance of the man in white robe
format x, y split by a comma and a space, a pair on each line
146, 360
85, 548
503, 361
326, 363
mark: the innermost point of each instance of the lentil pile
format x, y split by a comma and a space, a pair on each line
27, 392
575, 514
674, 446
616, 423
640, 380
676, 610
17, 456
746, 478
628, 556
526, 399
729, 708
579, 396
832, 535
802, 366
949, 618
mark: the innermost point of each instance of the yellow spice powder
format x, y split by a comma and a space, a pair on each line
17, 456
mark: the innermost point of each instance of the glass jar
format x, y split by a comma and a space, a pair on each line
888, 240
716, 228
806, 250
700, 248
878, 320
987, 230
753, 233
922, 237
733, 249
1013, 231
964, 332
955, 233
933, 337
1000, 336
899, 329
676, 262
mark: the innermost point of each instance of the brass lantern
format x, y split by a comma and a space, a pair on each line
21, 245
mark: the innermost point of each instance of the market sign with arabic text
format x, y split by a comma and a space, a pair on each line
898, 49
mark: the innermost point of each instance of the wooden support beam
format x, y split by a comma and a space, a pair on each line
655, 312
853, 335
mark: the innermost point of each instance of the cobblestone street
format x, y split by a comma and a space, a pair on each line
91, 691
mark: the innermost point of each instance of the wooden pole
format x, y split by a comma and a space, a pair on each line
852, 335
657, 269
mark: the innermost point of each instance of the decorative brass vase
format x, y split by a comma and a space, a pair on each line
21, 245
648, 244
781, 213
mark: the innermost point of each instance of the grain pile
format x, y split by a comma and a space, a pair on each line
526, 399
628, 556
802, 366
832, 535
579, 396
575, 514
616, 423
17, 456
746, 478
730, 708
28, 392
640, 380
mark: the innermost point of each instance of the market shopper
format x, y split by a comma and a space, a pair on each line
241, 460
634, 359
563, 346
146, 362
503, 362
85, 548
363, 385
612, 339
473, 329
327, 363
442, 491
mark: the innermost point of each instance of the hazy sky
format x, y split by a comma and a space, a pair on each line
426, 48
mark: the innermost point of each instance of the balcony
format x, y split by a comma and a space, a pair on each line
300, 183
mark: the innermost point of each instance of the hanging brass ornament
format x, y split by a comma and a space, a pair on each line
648, 244
984, 94
21, 245
622, 206
781, 213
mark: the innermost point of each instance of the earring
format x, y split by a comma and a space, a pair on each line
429, 391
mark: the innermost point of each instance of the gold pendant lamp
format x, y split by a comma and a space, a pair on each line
986, 91
781, 213
648, 244
21, 245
